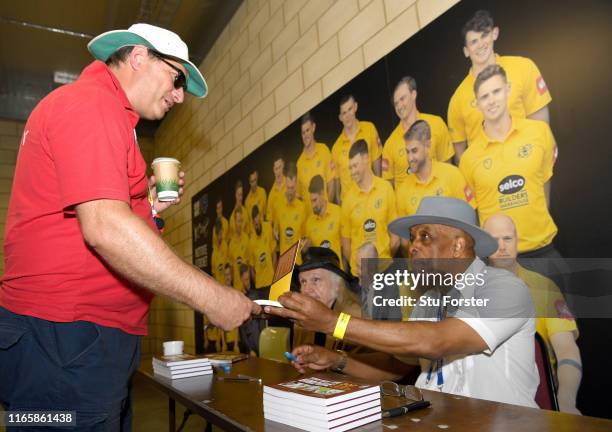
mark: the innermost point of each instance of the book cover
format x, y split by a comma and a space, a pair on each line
226, 358
181, 359
322, 389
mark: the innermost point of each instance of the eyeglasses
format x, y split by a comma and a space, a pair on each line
180, 80
390, 388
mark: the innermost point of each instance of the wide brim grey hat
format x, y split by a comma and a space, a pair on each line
156, 38
450, 212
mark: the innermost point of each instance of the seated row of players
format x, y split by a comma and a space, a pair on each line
506, 168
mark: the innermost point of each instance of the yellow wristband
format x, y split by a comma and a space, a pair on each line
341, 325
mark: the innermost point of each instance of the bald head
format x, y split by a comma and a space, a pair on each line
502, 228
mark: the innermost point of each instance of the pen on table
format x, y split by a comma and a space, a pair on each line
394, 412
240, 378
290, 356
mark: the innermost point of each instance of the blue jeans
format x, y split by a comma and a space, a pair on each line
78, 366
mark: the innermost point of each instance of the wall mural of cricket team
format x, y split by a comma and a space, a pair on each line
465, 120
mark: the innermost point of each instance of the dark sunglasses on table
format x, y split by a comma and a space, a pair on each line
180, 80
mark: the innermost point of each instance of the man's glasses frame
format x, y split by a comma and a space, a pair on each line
390, 388
180, 80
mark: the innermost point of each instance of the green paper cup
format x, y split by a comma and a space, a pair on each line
166, 172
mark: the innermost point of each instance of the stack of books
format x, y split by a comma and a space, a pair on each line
322, 402
181, 366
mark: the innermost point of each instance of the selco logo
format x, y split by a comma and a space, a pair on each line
369, 225
511, 184
289, 232
326, 244
262, 258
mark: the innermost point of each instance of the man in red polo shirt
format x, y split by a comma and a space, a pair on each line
83, 258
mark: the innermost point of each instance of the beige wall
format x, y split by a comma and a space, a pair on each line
274, 61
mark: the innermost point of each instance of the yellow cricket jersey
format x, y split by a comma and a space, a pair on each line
246, 221
307, 168
218, 261
552, 314
340, 153
261, 249
259, 199
528, 94
274, 197
395, 162
446, 180
238, 253
509, 177
324, 231
224, 231
291, 218
365, 216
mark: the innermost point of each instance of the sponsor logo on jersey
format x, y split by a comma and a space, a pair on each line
541, 85
525, 150
511, 184
369, 225
289, 232
487, 163
326, 244
378, 203
262, 258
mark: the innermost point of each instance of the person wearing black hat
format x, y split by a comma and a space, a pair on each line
473, 338
321, 278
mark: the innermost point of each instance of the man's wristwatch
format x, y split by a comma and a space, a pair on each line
342, 363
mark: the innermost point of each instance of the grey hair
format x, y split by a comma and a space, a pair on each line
337, 282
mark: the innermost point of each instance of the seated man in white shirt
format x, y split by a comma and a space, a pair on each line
483, 348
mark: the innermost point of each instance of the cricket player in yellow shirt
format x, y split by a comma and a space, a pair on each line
529, 97
224, 224
427, 177
554, 322
394, 162
238, 248
219, 253
323, 222
314, 160
277, 191
368, 208
239, 199
262, 248
352, 130
291, 215
256, 195
509, 166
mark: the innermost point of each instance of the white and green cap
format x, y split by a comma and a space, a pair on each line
156, 38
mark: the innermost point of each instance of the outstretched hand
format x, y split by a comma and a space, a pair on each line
309, 313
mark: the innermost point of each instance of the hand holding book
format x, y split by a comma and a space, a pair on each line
308, 312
